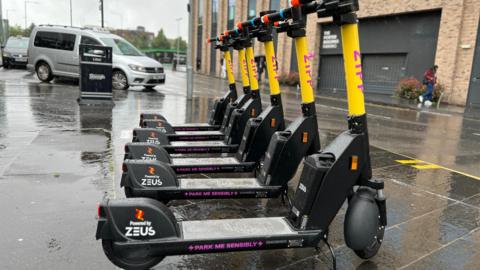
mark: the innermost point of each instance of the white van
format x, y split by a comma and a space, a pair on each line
53, 51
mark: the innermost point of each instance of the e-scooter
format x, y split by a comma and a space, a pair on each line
139, 233
234, 124
283, 153
258, 131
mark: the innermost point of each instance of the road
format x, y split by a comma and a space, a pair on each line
57, 160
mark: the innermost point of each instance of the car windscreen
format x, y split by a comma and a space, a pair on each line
121, 47
17, 43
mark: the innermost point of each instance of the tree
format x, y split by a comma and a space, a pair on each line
182, 45
15, 30
161, 41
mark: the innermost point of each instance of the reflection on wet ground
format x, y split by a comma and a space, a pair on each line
58, 159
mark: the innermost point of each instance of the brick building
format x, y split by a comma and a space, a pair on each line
399, 38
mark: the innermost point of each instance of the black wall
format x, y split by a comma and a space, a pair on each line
414, 35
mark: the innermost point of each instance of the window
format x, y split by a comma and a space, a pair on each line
275, 5
17, 43
89, 41
200, 12
213, 32
252, 7
54, 40
214, 11
121, 47
231, 14
199, 34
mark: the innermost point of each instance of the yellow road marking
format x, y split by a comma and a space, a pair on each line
409, 161
426, 166
439, 166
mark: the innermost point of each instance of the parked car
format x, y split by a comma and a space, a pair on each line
14, 53
53, 51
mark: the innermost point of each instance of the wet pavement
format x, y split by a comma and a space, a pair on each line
57, 160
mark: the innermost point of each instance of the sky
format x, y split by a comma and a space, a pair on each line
127, 14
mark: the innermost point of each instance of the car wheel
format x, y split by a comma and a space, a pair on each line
149, 87
44, 72
5, 65
119, 80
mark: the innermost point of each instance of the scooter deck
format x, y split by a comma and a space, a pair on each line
196, 144
218, 183
196, 136
195, 127
236, 228
199, 133
205, 161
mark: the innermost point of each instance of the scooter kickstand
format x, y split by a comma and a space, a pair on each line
332, 252
285, 195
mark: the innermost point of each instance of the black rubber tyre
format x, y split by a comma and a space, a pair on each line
134, 264
149, 88
5, 65
44, 72
373, 248
119, 80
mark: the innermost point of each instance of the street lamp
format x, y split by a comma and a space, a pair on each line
28, 2
71, 19
101, 12
178, 40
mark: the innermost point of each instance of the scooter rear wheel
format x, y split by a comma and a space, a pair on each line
372, 249
124, 263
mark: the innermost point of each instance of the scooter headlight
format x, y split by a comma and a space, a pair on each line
137, 68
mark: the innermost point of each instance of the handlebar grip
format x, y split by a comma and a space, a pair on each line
275, 17
231, 33
297, 3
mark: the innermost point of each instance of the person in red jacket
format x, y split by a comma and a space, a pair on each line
429, 79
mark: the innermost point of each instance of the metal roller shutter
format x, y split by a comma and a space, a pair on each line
332, 73
381, 73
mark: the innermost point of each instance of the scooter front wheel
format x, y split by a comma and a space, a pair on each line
129, 263
372, 249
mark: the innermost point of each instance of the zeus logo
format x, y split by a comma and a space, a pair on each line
139, 231
151, 170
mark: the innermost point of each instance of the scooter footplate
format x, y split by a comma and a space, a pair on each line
199, 143
198, 133
193, 125
205, 161
218, 183
235, 228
